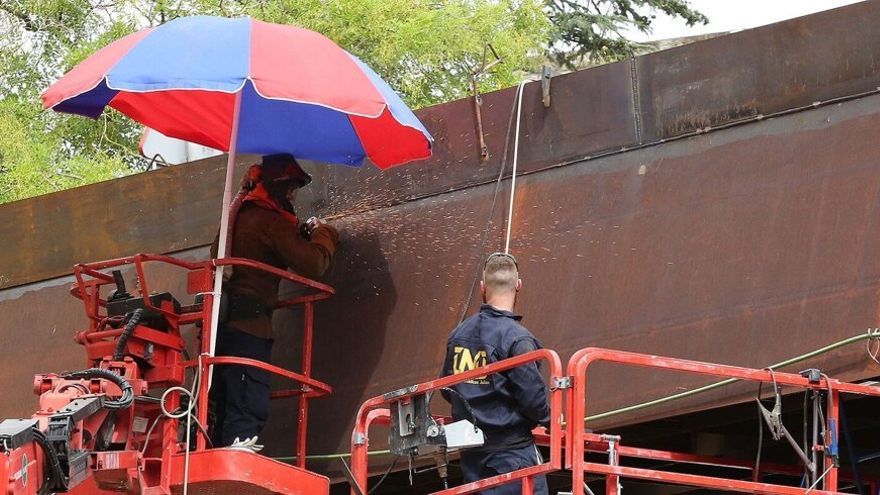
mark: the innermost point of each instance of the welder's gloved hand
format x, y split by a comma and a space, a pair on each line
326, 235
308, 226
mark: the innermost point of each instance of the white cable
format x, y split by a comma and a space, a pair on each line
519, 93
873, 336
192, 402
810, 489
192, 394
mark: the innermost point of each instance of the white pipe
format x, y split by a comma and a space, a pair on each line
519, 94
224, 223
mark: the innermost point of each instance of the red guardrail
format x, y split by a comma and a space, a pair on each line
372, 410
578, 439
90, 279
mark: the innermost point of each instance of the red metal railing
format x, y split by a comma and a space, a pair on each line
90, 279
372, 410
578, 441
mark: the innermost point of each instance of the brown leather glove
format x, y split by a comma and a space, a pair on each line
327, 236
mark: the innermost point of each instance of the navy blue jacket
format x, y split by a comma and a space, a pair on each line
507, 405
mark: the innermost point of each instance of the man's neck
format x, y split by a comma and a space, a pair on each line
501, 303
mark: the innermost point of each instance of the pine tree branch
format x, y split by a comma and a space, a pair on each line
29, 23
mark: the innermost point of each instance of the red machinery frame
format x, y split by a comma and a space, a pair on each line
90, 279
578, 441
371, 411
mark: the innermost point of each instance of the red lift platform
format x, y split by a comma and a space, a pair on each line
121, 424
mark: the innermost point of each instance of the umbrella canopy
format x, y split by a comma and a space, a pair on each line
241, 85
298, 92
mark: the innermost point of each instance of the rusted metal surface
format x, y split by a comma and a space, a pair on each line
743, 246
657, 96
759, 72
168, 210
746, 247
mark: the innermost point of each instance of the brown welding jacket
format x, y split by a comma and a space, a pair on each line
265, 235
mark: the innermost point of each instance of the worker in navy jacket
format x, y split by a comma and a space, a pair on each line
506, 405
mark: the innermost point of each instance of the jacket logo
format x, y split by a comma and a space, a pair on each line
465, 360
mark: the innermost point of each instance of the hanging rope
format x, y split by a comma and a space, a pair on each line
873, 344
519, 93
514, 114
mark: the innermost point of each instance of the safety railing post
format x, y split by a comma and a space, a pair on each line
831, 443
829, 446
360, 442
359, 466
557, 411
308, 322
204, 373
528, 485
576, 427
612, 481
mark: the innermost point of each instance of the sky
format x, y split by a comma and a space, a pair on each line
734, 15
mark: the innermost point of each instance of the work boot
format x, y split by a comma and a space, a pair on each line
247, 444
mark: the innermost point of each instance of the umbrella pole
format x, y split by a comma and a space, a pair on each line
224, 222
209, 340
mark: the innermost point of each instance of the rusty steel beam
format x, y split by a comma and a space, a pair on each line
745, 245
613, 107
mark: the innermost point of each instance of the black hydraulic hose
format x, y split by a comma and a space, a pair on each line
48, 469
464, 401
387, 472
54, 479
133, 319
127, 393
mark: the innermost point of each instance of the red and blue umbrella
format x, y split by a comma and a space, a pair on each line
295, 91
245, 86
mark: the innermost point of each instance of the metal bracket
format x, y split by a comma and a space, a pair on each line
812, 374
545, 85
778, 431
561, 382
478, 99
16, 432
359, 439
406, 416
612, 452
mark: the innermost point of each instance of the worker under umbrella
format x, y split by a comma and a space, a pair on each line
265, 229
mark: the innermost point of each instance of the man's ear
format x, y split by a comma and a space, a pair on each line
518, 284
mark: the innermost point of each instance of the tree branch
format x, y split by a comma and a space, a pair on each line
29, 24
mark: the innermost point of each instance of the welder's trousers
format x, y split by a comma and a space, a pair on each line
240, 394
477, 465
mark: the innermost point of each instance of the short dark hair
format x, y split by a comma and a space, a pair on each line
500, 273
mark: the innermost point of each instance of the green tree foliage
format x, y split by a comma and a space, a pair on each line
427, 50
41, 152
594, 30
